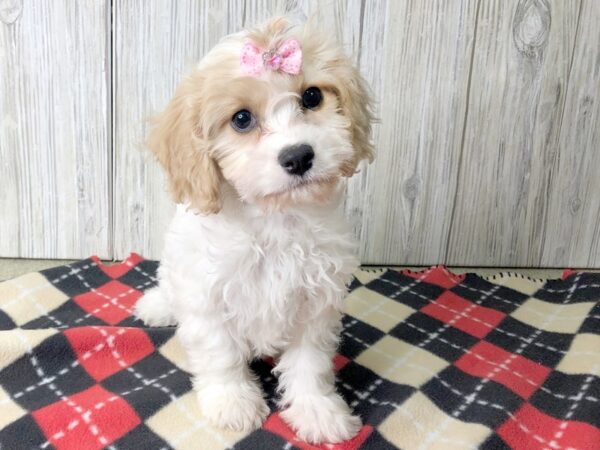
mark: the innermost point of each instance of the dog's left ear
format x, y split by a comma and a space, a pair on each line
180, 145
356, 104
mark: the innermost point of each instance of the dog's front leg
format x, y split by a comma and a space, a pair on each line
313, 408
227, 390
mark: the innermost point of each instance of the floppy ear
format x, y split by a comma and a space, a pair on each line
179, 144
356, 104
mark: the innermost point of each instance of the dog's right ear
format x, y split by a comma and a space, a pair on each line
181, 147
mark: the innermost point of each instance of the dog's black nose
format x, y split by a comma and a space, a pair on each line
296, 159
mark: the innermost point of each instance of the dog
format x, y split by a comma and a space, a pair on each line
256, 144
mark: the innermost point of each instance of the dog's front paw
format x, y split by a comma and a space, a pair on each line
154, 309
239, 407
322, 419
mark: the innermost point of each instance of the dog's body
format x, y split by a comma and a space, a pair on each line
265, 271
268, 274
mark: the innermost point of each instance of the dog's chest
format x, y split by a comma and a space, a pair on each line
264, 276
279, 272
285, 258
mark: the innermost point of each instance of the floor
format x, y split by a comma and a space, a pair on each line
10, 268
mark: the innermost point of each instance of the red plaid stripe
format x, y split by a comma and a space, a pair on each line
86, 420
530, 428
438, 275
275, 424
463, 314
111, 302
118, 270
104, 351
519, 374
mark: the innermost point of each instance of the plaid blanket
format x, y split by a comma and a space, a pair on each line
428, 360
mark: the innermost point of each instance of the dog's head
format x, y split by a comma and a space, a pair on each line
278, 112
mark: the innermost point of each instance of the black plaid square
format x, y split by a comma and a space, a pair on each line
141, 437
77, 278
369, 395
354, 284
42, 378
6, 323
407, 290
149, 384
490, 295
377, 442
544, 347
263, 369
570, 396
69, 314
471, 399
159, 335
22, 434
494, 442
142, 276
576, 288
435, 336
263, 439
357, 336
591, 324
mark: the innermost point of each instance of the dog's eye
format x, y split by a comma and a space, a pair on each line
243, 121
312, 97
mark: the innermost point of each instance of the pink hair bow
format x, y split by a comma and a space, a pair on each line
286, 58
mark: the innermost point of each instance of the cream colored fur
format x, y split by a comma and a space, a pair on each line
256, 261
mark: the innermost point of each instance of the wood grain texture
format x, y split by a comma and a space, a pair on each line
512, 143
416, 56
54, 128
573, 217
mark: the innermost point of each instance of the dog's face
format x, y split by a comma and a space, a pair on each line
280, 132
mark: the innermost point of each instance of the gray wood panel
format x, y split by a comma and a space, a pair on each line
487, 146
503, 209
573, 217
54, 128
417, 57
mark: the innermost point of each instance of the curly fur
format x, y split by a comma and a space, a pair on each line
256, 261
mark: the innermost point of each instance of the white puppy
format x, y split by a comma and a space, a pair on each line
256, 261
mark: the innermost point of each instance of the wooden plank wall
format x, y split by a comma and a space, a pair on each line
573, 219
54, 128
514, 120
487, 147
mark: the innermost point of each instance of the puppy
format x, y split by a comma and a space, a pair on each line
255, 145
